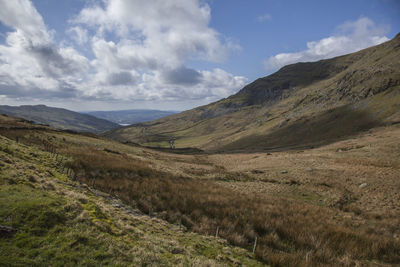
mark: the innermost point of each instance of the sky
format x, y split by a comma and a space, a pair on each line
170, 54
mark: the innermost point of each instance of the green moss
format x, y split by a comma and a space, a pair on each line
95, 212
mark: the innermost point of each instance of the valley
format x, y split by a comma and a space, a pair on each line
201, 133
325, 205
127, 117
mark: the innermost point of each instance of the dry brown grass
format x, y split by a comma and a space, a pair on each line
289, 232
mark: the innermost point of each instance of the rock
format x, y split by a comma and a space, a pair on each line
284, 171
309, 169
363, 185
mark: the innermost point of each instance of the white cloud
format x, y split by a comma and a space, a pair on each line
265, 17
22, 16
140, 49
154, 39
169, 86
30, 62
78, 34
349, 37
166, 32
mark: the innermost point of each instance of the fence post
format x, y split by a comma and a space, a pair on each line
216, 233
255, 245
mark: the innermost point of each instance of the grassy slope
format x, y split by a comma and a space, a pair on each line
62, 223
60, 118
298, 93
302, 217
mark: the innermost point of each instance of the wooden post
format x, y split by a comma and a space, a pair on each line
255, 245
216, 233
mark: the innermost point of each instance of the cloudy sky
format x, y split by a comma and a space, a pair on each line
170, 54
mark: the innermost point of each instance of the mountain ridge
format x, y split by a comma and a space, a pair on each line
59, 118
296, 94
130, 116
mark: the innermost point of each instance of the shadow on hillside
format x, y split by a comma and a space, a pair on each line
309, 132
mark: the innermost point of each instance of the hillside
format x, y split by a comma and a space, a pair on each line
308, 104
68, 198
59, 118
131, 116
49, 218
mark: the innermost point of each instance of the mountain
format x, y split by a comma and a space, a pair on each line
126, 117
301, 105
59, 118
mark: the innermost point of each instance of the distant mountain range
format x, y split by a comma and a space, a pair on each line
301, 105
131, 116
59, 118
